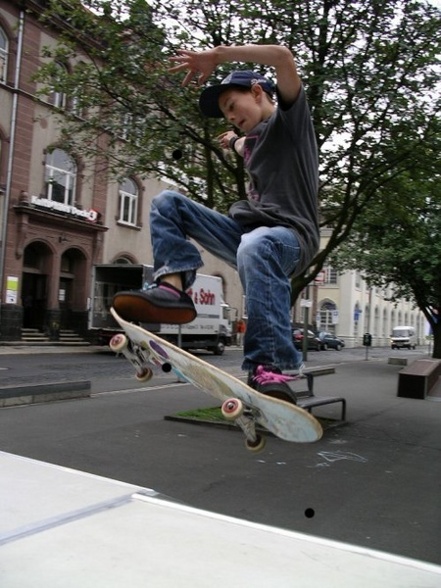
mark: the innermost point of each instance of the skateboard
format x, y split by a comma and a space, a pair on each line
240, 403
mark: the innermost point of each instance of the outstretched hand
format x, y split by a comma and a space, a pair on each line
200, 64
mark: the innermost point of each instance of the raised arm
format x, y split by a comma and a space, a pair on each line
201, 64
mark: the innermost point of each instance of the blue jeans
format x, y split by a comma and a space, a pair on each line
265, 257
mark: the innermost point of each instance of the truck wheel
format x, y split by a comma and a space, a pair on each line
219, 349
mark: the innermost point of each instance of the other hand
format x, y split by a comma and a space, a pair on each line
225, 138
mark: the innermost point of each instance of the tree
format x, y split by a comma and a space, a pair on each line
369, 68
398, 242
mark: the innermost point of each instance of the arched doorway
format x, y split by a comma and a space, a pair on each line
71, 290
37, 259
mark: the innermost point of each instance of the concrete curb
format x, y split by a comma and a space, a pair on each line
37, 393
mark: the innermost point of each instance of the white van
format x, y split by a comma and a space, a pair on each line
403, 337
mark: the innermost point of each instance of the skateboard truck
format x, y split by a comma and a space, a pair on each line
233, 409
119, 343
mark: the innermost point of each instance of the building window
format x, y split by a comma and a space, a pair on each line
132, 127
128, 197
3, 55
385, 326
367, 319
327, 317
126, 125
376, 321
60, 177
330, 275
76, 100
58, 98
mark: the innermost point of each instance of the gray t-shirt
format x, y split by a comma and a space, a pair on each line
280, 156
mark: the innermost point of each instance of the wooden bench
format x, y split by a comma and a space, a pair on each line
417, 379
307, 400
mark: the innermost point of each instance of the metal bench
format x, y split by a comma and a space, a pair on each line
307, 400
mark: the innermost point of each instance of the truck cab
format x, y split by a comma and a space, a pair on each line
403, 336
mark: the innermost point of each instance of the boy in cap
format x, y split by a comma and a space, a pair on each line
269, 237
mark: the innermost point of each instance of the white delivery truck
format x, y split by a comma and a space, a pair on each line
210, 330
403, 336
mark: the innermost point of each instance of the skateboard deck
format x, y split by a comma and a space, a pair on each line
240, 403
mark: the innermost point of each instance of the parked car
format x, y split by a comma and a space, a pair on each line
330, 341
314, 342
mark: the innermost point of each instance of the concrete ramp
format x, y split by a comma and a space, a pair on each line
60, 527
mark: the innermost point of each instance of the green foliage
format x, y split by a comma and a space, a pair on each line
396, 242
370, 70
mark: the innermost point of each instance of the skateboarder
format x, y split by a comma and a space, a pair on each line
269, 237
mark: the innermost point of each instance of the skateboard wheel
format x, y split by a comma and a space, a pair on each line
144, 375
166, 367
232, 409
256, 446
118, 342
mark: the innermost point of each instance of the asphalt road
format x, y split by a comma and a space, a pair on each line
374, 481
35, 365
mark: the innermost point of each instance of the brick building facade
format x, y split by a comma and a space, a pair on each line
48, 240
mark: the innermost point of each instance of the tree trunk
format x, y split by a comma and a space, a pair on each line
436, 328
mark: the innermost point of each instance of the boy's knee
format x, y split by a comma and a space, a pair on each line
165, 199
252, 247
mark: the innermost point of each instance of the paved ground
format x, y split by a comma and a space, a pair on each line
375, 481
